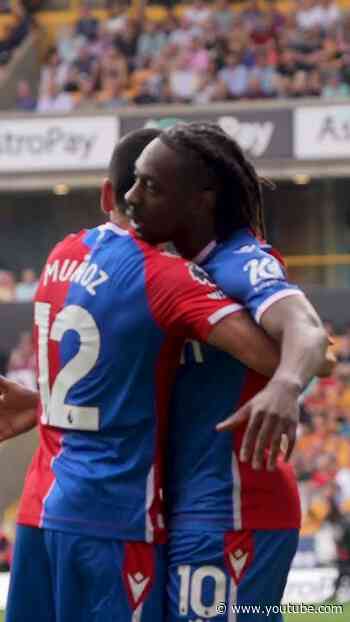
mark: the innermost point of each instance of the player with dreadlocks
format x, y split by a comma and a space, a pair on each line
233, 503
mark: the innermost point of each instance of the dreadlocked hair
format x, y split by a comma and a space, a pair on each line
239, 189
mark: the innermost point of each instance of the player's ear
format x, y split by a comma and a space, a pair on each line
107, 201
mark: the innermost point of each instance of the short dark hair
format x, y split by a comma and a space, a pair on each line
122, 164
224, 166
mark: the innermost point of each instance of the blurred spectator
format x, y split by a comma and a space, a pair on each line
223, 16
126, 40
113, 61
52, 100
183, 81
342, 480
112, 93
197, 55
7, 286
343, 344
210, 88
5, 553
151, 41
308, 16
25, 100
87, 24
27, 286
85, 96
54, 71
251, 15
21, 363
234, 75
335, 87
68, 44
16, 32
117, 16
198, 12
182, 32
264, 75
85, 63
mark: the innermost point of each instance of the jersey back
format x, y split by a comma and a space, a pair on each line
108, 331
209, 488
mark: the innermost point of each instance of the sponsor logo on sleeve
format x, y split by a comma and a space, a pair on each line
261, 270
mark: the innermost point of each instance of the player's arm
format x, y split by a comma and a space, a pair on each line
239, 336
17, 409
274, 412
288, 317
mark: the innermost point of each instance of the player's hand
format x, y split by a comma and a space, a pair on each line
17, 409
273, 417
15, 398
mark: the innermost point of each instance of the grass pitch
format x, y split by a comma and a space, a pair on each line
293, 617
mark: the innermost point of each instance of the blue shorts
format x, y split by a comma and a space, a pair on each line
60, 577
216, 576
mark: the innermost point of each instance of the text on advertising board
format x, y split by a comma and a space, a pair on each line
65, 143
322, 132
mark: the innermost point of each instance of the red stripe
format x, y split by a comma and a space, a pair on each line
139, 570
167, 365
261, 489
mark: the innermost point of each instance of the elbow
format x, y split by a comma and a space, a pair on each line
319, 337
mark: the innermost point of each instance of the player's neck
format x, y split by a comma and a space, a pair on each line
119, 219
194, 240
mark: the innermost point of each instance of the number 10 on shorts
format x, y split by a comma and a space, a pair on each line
201, 591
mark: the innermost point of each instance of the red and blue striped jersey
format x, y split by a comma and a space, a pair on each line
209, 488
111, 314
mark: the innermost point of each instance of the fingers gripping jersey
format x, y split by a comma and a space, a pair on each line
209, 487
111, 314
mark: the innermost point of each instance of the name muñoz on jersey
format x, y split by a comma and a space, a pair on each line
209, 488
111, 314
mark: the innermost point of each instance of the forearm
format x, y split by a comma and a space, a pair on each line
303, 342
14, 396
23, 422
240, 337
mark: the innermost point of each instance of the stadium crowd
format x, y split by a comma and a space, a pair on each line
22, 290
205, 53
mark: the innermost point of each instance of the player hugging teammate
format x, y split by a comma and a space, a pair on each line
114, 401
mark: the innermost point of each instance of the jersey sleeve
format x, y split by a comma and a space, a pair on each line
183, 299
256, 278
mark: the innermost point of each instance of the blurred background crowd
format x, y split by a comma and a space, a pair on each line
198, 53
21, 289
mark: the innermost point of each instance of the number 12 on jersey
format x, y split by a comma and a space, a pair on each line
56, 411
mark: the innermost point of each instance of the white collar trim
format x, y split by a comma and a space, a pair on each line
111, 226
205, 252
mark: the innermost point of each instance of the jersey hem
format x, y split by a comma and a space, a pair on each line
78, 528
196, 524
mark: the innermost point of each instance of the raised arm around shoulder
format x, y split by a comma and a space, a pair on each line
239, 336
274, 412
